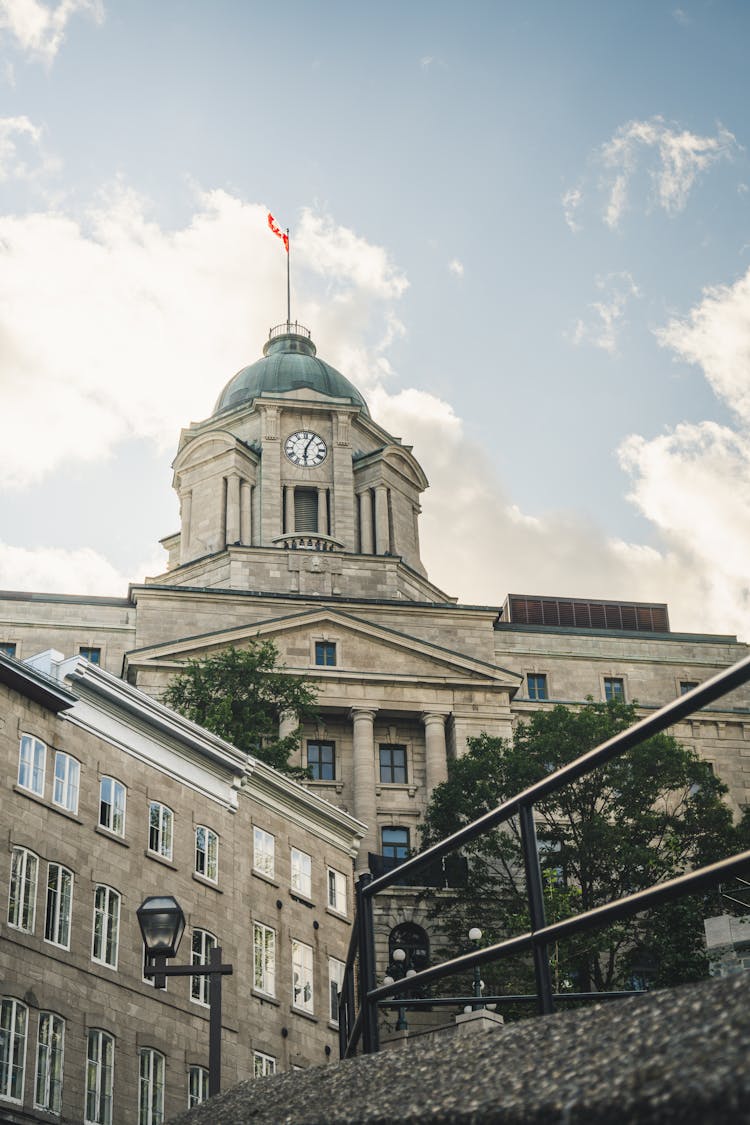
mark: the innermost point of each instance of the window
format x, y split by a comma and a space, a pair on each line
49, 1063
687, 685
301, 873
306, 509
112, 806
151, 1100
106, 926
67, 773
263, 1064
263, 852
395, 842
31, 764
93, 655
264, 958
160, 821
203, 943
7, 649
24, 866
100, 1058
392, 764
335, 980
537, 685
415, 943
59, 902
13, 1023
321, 760
302, 976
197, 1086
325, 654
337, 891
206, 853
614, 689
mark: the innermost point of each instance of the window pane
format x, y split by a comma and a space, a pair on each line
264, 958
203, 943
22, 892
31, 764
49, 1063
395, 842
263, 852
392, 764
13, 1023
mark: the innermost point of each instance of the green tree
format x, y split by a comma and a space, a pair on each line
240, 694
644, 817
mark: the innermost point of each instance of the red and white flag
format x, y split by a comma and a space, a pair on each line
278, 232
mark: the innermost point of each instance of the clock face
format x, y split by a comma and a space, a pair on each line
305, 448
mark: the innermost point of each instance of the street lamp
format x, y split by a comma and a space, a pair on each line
475, 935
162, 924
399, 957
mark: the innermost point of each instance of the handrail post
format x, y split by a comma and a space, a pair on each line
370, 1042
535, 891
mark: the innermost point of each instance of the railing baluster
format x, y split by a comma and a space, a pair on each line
535, 891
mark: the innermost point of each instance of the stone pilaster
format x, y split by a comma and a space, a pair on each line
270, 486
323, 511
382, 540
187, 511
365, 521
233, 508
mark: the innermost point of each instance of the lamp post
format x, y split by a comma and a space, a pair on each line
475, 935
400, 971
162, 924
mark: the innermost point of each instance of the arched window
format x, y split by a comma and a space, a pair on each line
414, 942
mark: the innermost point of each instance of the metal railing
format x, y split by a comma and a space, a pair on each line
360, 996
289, 328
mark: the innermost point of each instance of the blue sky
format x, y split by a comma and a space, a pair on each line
523, 229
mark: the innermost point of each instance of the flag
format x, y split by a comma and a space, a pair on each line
278, 232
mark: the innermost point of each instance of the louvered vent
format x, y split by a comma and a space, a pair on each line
305, 510
632, 617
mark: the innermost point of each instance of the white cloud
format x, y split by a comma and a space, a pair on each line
456, 267
52, 570
571, 201
677, 157
22, 155
672, 157
681, 17
603, 331
716, 336
426, 61
39, 29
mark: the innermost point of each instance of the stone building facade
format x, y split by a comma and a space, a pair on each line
299, 523
107, 797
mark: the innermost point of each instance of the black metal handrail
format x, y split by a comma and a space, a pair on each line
364, 1024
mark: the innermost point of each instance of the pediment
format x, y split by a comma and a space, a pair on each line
366, 651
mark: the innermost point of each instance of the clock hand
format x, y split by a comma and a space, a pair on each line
304, 455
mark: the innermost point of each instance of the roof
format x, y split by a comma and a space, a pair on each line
289, 363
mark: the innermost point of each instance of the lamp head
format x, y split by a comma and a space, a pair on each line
399, 955
162, 925
475, 934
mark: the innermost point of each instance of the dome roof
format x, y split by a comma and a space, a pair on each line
289, 363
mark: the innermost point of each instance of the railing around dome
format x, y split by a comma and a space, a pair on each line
289, 329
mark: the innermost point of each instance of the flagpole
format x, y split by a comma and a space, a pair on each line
288, 289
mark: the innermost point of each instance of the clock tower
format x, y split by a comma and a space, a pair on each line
290, 486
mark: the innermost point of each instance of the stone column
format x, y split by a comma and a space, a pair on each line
233, 508
270, 478
187, 507
323, 511
436, 758
365, 521
288, 509
381, 519
288, 722
246, 521
364, 780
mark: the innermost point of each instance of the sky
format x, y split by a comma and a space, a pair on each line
522, 229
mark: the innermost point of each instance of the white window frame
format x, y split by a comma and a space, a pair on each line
151, 1067
335, 978
114, 819
338, 891
616, 697
199, 985
32, 764
57, 919
197, 1085
67, 780
209, 851
24, 876
15, 1026
100, 1065
303, 983
105, 932
164, 829
264, 959
301, 877
264, 852
263, 1064
50, 1060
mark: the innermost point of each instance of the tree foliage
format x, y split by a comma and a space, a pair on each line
643, 818
240, 695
